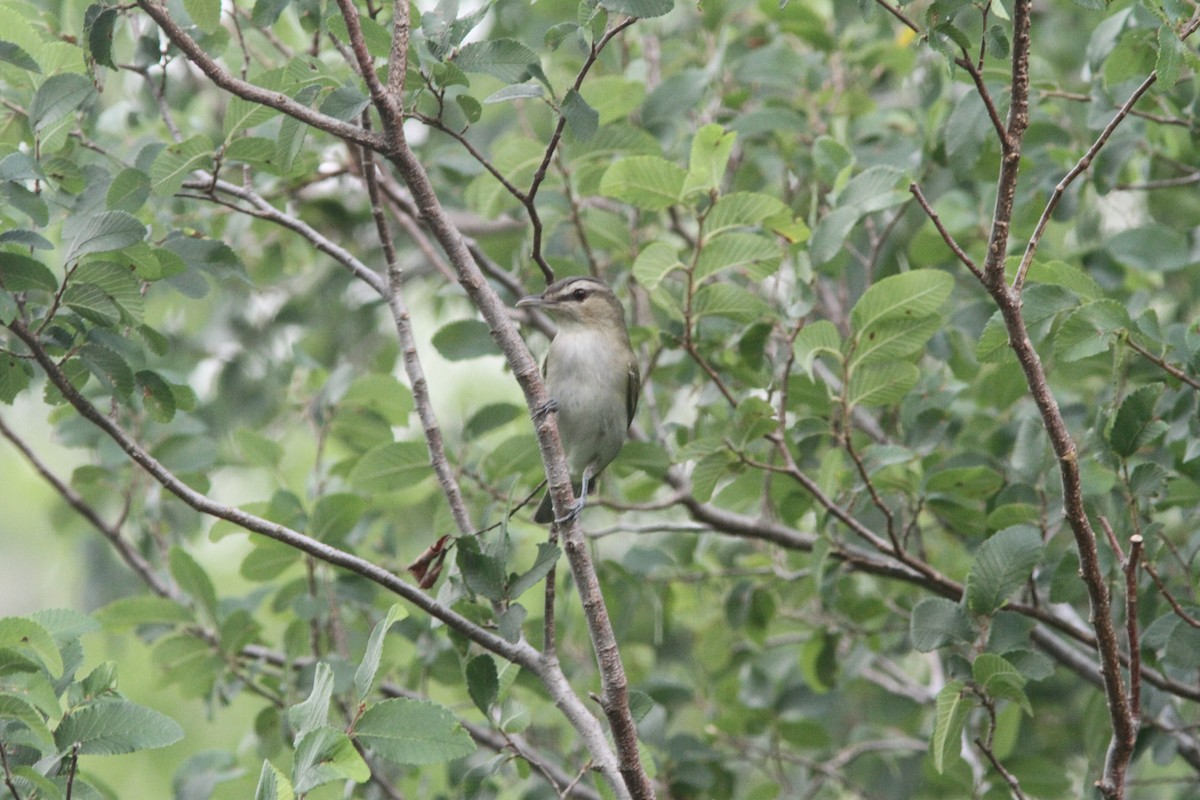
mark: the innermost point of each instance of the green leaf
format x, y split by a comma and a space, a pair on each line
1060, 273
1132, 424
483, 573
129, 191
1000, 679
113, 727
176, 163
193, 580
655, 262
1090, 330
130, 612
873, 189
483, 683
730, 301
20, 273
517, 91
711, 147
101, 233
742, 210
613, 96
505, 59
643, 9
311, 713
547, 557
650, 183
14, 709
24, 634
391, 466
58, 96
13, 54
205, 13
334, 516
899, 337
15, 374
965, 482
465, 339
118, 284
756, 256
382, 393
829, 236
911, 295
881, 384
413, 732
364, 676
953, 705
815, 339
273, 784
268, 560
937, 621
1151, 248
326, 755
257, 151
582, 119
1002, 565
99, 22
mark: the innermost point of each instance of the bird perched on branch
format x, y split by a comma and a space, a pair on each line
592, 379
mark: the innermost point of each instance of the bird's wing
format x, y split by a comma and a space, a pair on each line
633, 386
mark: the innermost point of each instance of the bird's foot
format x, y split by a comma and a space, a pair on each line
572, 513
545, 408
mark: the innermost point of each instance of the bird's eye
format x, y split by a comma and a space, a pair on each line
579, 294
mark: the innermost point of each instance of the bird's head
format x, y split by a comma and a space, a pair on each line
578, 302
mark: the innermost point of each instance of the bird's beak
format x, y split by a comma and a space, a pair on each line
532, 300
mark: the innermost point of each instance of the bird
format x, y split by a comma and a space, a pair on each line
592, 379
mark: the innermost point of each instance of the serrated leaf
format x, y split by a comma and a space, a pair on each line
464, 339
650, 183
1060, 273
268, 560
505, 59
712, 146
482, 572
113, 727
273, 784
1002, 565
254, 150
58, 96
643, 9
729, 301
334, 516
157, 395
193, 580
21, 633
15, 374
130, 612
881, 384
483, 683
326, 755
15, 709
176, 163
829, 236
101, 233
1000, 679
910, 295
413, 732
582, 119
109, 367
757, 256
205, 13
15, 55
99, 22
815, 339
391, 466
547, 557
117, 283
128, 191
311, 713
937, 621
20, 273
894, 338
953, 705
655, 262
364, 676
1132, 423
740, 210
965, 482
873, 189
517, 91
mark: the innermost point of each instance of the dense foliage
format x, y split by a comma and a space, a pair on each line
907, 510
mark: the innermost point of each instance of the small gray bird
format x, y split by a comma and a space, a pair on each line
592, 379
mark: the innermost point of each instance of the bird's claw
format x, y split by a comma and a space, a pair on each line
545, 408
572, 513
